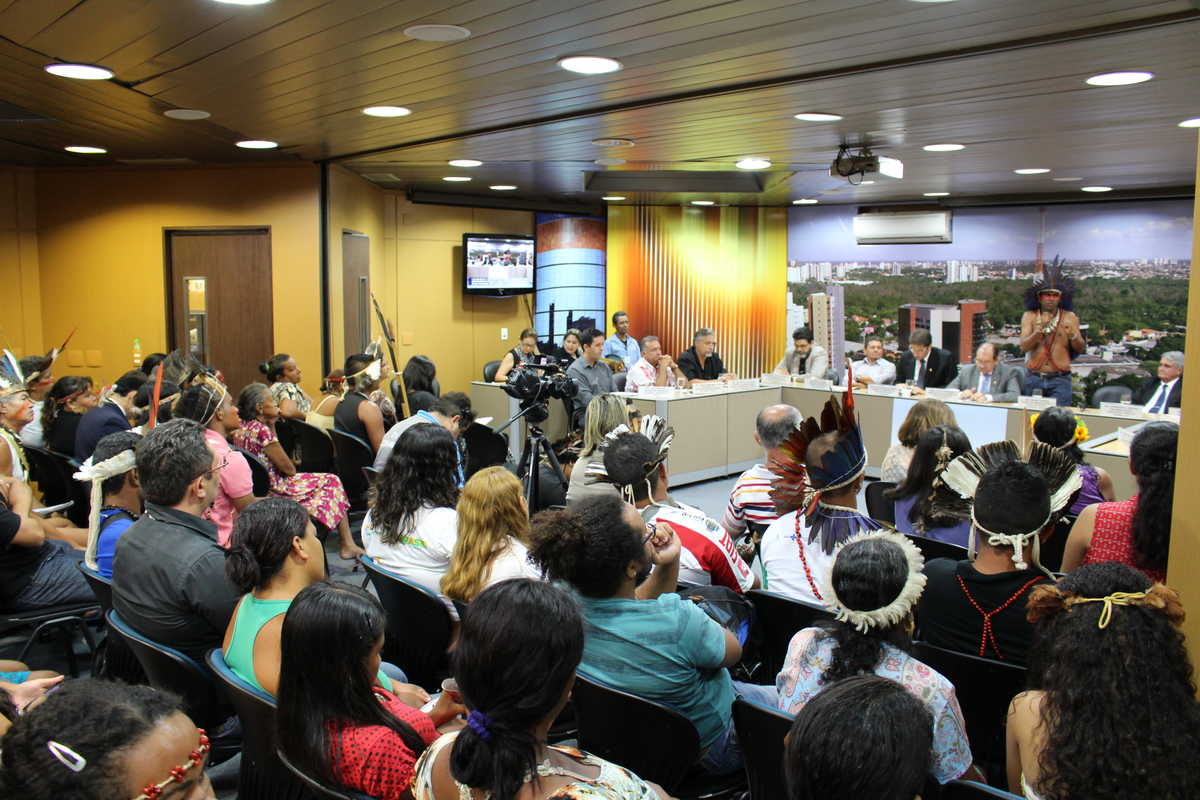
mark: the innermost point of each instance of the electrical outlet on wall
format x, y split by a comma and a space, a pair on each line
504, 334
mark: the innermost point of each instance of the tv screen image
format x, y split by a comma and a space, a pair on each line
498, 265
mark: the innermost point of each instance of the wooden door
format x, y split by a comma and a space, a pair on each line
221, 304
356, 291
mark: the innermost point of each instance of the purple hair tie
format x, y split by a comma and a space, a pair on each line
479, 722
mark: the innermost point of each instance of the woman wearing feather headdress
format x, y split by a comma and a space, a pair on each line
1050, 334
16, 411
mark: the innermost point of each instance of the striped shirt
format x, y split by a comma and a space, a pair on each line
750, 500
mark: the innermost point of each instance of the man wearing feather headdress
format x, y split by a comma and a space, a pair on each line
1050, 334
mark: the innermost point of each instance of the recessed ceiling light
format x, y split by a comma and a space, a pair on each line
1190, 123
943, 148
589, 65
1066, 180
702, 202
82, 72
817, 116
437, 33
90, 151
937, 194
257, 144
609, 162
933, 1
613, 197
1119, 78
244, 2
1095, 188
456, 178
502, 187
754, 163
866, 183
612, 141
186, 113
464, 162
805, 201
1031, 171
386, 111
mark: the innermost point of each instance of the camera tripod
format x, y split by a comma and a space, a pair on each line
535, 446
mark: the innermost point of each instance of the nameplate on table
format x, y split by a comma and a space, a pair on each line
742, 384
818, 383
657, 392
715, 387
771, 379
1032, 403
1127, 410
1125, 435
884, 389
941, 394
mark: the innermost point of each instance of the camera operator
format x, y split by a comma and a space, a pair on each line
591, 372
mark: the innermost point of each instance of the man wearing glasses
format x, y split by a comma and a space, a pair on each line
169, 572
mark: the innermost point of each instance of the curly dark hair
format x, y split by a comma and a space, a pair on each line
1152, 459
64, 390
588, 546
1056, 426
421, 472
922, 471
1120, 710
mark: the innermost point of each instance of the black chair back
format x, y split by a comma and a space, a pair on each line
287, 437
760, 732
353, 455
317, 788
419, 627
314, 446
114, 660
81, 492
485, 448
258, 472
58, 621
53, 474
489, 371
619, 381
933, 548
880, 508
1111, 393
778, 618
970, 790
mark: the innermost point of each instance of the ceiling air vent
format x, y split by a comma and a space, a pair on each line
674, 181
381, 177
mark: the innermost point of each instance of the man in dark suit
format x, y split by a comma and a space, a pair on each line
1158, 394
111, 416
925, 365
987, 380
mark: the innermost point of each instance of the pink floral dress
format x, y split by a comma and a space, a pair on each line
320, 493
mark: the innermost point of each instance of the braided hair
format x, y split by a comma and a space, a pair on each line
1152, 459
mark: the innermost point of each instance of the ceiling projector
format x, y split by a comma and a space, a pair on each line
864, 164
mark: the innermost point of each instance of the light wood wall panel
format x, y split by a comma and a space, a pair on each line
21, 325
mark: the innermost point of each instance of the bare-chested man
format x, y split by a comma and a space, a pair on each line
1049, 337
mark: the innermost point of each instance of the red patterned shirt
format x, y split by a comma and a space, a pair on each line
1112, 537
373, 759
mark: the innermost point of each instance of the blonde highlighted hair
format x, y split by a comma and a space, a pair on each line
490, 510
926, 414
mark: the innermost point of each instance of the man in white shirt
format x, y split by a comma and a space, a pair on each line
1157, 395
32, 434
654, 368
874, 368
987, 380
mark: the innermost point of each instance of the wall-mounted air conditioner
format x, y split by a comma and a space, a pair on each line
902, 227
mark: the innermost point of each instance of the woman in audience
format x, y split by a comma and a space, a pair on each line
864, 737
150, 362
875, 582
524, 353
493, 526
412, 525
604, 413
95, 740
420, 375
936, 448
1059, 427
921, 417
284, 377
570, 350
1116, 715
321, 493
517, 678
322, 412
356, 414
332, 721
1136, 531
67, 401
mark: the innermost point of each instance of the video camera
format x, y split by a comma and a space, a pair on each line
535, 385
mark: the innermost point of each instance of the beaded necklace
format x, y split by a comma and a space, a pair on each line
989, 634
16, 448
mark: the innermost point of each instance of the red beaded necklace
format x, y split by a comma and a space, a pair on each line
804, 561
989, 635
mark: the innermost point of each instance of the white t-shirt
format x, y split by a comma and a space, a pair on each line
640, 374
32, 434
513, 562
423, 554
708, 556
782, 562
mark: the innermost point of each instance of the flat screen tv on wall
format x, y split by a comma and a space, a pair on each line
498, 265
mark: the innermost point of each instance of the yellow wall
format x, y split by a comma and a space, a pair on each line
355, 205
21, 326
101, 255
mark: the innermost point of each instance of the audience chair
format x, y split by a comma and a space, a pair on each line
287, 437
419, 627
1111, 393
619, 381
53, 472
652, 740
61, 622
314, 447
80, 492
113, 658
258, 472
984, 688
316, 787
778, 618
760, 731
261, 776
489, 371
880, 508
970, 790
933, 548
353, 455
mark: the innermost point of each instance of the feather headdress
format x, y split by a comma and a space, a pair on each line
654, 428
891, 612
12, 379
1052, 279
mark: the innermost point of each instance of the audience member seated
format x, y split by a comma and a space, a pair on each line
168, 394
873, 368
420, 375
111, 415
116, 497
38, 381
591, 373
799, 547
150, 362
210, 404
988, 380
1136, 531
636, 464
95, 740
36, 570
872, 586
493, 527
924, 415
805, 358
452, 412
621, 346
750, 509
68, 400
915, 513
654, 368
524, 354
169, 573
320, 493
1115, 715
570, 349
333, 722
700, 362
519, 678
862, 737
977, 606
1164, 391
412, 526
1059, 427
604, 414
16, 411
924, 365
321, 415
355, 413
284, 377
641, 636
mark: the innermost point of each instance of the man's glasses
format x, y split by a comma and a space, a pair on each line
217, 468
651, 529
